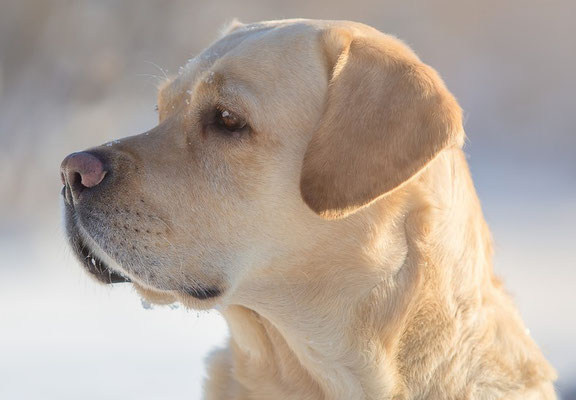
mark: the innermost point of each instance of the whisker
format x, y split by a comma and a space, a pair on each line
160, 68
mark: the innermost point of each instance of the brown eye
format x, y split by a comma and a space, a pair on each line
229, 121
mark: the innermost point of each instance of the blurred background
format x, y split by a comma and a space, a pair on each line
74, 74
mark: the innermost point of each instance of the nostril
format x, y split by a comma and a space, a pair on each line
80, 171
76, 182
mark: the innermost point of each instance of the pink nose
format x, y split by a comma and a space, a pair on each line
80, 171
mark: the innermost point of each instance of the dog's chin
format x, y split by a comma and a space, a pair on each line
192, 297
196, 299
154, 296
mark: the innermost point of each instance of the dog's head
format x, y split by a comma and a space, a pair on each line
277, 130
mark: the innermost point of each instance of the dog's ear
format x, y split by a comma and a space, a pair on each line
386, 116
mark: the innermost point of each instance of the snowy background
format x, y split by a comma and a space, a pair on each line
77, 73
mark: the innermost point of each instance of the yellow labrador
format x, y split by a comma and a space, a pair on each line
307, 178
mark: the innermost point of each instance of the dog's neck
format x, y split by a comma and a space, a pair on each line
395, 314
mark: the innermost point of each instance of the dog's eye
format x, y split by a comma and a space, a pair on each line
229, 122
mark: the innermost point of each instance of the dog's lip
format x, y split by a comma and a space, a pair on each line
104, 274
97, 267
86, 255
82, 245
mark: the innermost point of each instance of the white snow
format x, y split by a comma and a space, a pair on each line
112, 143
209, 78
146, 305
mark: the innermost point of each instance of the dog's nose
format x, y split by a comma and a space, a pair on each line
80, 171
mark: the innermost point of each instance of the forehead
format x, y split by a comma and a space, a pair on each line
263, 57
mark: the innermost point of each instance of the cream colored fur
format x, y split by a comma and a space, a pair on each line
402, 304
344, 229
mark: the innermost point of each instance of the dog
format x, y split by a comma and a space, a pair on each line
307, 179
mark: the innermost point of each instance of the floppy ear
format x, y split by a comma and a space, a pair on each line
386, 116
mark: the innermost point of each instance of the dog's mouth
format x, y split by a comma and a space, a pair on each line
87, 251
86, 255
95, 266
